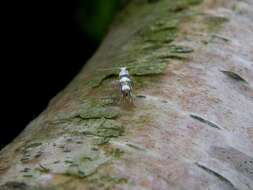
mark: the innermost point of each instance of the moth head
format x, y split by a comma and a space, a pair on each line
123, 68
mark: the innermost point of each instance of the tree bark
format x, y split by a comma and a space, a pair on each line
191, 125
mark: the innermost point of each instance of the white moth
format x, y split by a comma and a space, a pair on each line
125, 84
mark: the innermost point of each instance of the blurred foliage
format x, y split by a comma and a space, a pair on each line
96, 15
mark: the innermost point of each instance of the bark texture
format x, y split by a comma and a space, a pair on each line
191, 126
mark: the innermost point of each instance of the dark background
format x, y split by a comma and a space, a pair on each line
45, 44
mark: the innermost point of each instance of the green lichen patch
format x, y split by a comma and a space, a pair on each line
146, 68
32, 145
31, 174
141, 54
181, 5
107, 101
43, 169
97, 81
4, 166
104, 182
83, 161
180, 49
88, 109
213, 23
148, 64
234, 76
100, 131
27, 175
97, 112
170, 25
140, 82
160, 32
153, 39
114, 180
16, 185
97, 108
168, 56
105, 128
86, 164
94, 119
117, 153
101, 140
31, 151
109, 130
112, 152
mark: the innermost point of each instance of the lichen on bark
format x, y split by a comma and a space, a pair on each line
183, 112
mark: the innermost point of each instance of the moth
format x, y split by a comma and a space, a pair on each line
125, 84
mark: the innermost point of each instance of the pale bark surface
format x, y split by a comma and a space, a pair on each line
192, 123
